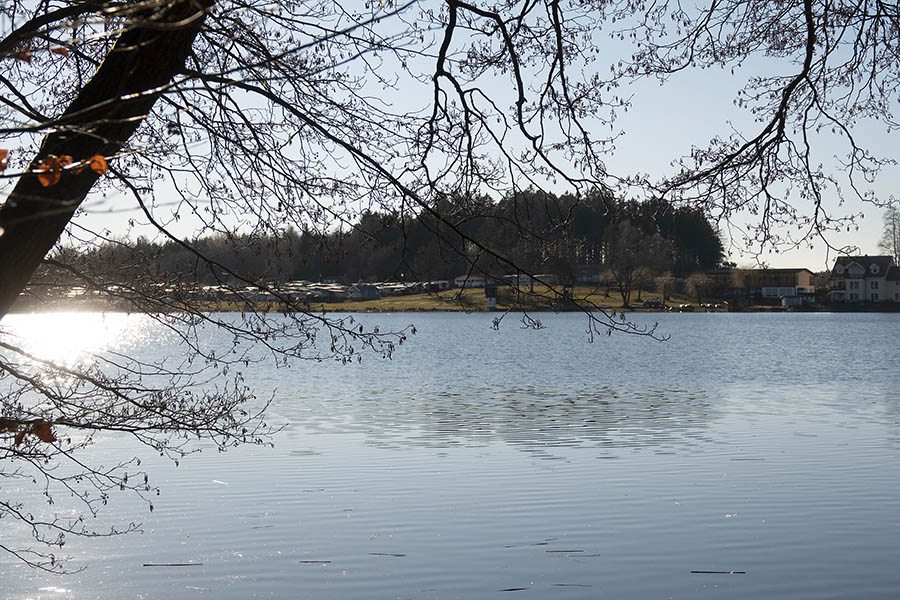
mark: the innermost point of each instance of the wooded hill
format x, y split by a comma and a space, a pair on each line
534, 232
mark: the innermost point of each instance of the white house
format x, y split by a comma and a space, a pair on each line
522, 280
469, 281
865, 279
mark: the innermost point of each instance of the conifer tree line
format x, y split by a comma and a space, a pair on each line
539, 231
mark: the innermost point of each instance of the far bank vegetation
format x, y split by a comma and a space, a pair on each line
613, 251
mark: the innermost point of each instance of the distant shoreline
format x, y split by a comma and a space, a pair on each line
468, 301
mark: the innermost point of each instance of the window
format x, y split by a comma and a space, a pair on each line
854, 285
874, 269
873, 285
874, 297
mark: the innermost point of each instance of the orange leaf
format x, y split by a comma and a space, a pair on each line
9, 425
65, 160
44, 432
4, 159
98, 164
23, 55
49, 171
48, 177
19, 437
60, 50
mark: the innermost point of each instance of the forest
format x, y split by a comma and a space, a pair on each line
527, 232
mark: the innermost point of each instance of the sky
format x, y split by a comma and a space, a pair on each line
667, 120
662, 124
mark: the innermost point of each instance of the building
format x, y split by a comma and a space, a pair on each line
590, 275
865, 279
798, 284
469, 280
437, 285
778, 283
521, 280
893, 283
363, 291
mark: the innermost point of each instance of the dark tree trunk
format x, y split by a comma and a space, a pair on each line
104, 114
625, 290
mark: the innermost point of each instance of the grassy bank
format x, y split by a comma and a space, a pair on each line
470, 300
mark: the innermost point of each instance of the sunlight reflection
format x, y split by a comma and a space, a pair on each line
72, 338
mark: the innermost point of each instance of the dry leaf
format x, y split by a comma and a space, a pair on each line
62, 51
23, 55
19, 437
4, 159
65, 160
44, 432
98, 164
49, 171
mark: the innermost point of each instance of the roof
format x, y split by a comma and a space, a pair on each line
728, 271
893, 274
797, 270
884, 262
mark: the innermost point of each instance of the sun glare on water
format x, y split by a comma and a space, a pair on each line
68, 339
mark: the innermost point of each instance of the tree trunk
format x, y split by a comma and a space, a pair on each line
625, 290
101, 118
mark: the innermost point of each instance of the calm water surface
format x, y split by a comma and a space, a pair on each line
519, 463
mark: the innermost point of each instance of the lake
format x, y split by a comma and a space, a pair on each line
527, 464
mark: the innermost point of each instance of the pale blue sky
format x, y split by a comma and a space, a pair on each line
667, 120
663, 123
